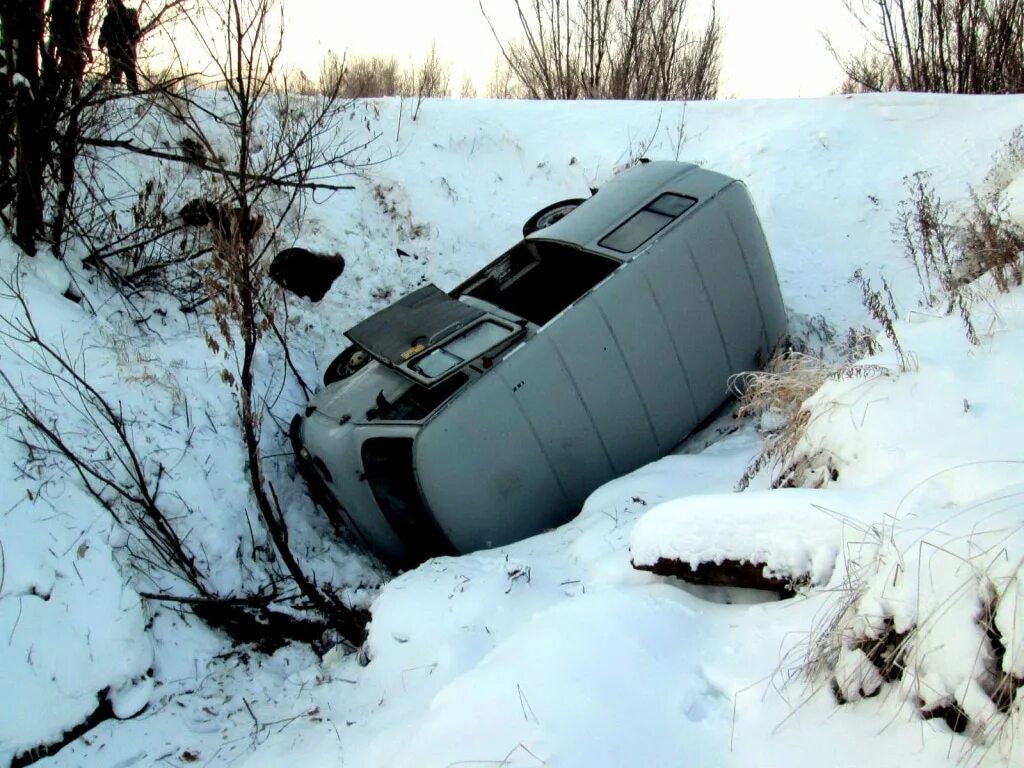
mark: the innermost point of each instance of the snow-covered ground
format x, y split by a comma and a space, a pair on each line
555, 651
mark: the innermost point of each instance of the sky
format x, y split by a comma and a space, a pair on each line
773, 48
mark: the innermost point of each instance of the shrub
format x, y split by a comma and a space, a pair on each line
370, 77
994, 242
939, 46
595, 49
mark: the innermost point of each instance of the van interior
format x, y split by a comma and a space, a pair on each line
538, 279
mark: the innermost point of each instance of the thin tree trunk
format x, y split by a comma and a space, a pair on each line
30, 147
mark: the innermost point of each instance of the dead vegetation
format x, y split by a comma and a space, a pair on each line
951, 256
370, 77
776, 396
595, 49
863, 652
258, 151
938, 46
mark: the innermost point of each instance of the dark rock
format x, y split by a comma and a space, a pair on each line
193, 150
955, 717
223, 221
306, 273
200, 212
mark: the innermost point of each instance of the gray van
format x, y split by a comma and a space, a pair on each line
470, 419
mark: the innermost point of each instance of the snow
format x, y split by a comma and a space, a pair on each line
556, 650
70, 626
1013, 197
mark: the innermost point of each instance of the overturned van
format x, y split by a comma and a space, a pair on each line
592, 347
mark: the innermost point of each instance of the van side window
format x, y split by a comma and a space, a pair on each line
647, 222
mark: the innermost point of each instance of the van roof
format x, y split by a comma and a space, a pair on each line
626, 193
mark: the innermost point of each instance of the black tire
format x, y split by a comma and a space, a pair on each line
351, 359
547, 216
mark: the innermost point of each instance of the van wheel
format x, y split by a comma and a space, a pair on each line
545, 217
344, 365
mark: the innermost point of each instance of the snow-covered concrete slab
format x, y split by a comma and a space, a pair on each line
787, 536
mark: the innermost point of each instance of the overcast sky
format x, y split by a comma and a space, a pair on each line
773, 48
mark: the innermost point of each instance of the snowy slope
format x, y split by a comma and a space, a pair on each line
551, 651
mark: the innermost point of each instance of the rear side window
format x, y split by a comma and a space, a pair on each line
471, 344
647, 222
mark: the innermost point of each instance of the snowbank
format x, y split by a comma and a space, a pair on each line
933, 597
71, 629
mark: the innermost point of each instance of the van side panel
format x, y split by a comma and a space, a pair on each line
684, 304
519, 444
602, 382
643, 338
723, 269
482, 472
546, 393
740, 210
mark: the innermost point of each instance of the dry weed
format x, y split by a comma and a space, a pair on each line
950, 254
776, 396
993, 243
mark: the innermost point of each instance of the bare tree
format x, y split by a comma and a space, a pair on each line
260, 150
48, 102
279, 148
939, 46
22, 25
613, 49
431, 77
503, 84
128, 482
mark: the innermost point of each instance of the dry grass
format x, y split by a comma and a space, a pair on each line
993, 243
781, 388
776, 396
858, 647
951, 253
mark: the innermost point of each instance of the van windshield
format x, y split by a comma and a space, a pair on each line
538, 279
